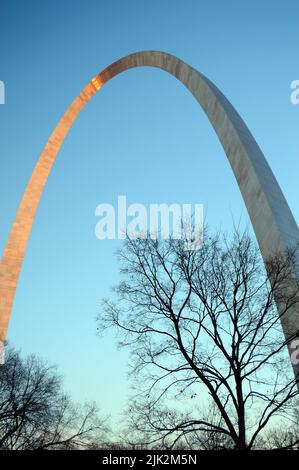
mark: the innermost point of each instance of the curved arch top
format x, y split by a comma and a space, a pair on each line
272, 220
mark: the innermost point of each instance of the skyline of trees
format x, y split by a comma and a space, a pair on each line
36, 414
209, 366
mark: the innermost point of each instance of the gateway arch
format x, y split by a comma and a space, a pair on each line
273, 223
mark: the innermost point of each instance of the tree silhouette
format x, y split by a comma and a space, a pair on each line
36, 414
209, 361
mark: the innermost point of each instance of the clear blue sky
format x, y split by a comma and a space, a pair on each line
143, 135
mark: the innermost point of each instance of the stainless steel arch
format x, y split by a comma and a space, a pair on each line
272, 220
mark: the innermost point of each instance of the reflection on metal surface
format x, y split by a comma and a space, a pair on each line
96, 81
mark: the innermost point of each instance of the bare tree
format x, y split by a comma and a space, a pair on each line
36, 414
204, 333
